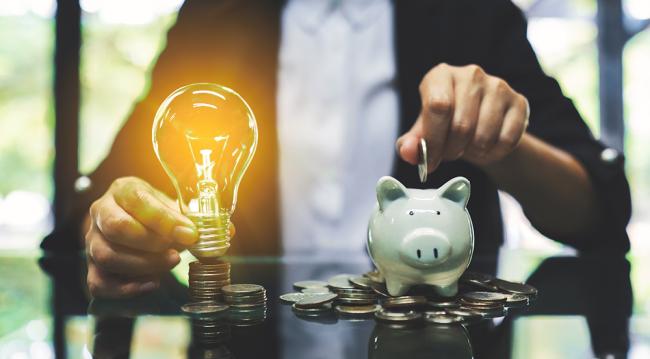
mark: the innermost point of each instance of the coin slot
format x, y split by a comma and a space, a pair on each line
435, 253
419, 253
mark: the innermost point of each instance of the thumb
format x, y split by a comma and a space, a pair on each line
408, 144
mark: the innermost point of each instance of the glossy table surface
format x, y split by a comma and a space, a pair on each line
584, 309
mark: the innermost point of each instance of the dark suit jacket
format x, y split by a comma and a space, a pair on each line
235, 43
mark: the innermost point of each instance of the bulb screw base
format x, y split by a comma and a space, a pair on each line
214, 236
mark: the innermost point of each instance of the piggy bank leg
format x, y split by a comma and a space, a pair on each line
396, 287
447, 290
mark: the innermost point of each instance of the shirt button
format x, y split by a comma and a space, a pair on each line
609, 155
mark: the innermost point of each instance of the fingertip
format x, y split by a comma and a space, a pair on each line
408, 149
173, 257
185, 235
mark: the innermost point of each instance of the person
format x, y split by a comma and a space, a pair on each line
336, 86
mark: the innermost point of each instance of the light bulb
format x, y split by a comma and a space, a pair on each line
205, 137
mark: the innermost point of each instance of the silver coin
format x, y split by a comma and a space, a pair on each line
516, 300
482, 297
357, 309
444, 304
374, 276
292, 297
515, 288
442, 318
316, 290
341, 281
491, 313
380, 288
325, 307
356, 301
361, 282
204, 308
397, 317
403, 301
423, 166
303, 284
315, 300
466, 314
241, 289
476, 276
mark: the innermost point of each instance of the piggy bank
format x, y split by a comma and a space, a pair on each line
421, 236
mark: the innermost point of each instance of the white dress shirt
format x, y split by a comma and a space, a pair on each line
337, 121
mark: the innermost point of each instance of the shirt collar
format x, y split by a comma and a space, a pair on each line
311, 14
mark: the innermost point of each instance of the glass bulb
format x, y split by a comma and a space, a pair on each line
205, 137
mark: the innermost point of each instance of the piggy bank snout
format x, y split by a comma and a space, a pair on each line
424, 248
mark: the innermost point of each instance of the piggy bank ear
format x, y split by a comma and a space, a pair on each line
456, 190
389, 190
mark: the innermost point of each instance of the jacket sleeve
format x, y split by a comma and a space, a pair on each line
554, 119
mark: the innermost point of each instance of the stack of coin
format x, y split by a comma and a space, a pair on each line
206, 280
209, 327
355, 295
247, 303
489, 304
314, 305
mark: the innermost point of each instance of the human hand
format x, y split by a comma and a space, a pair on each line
466, 114
134, 237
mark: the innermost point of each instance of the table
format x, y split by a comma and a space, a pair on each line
583, 310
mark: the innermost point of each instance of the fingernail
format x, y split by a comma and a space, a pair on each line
145, 287
185, 235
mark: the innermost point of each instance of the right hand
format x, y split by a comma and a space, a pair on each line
135, 235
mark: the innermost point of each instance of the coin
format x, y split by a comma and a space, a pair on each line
291, 297
374, 276
443, 304
483, 297
340, 281
397, 317
490, 313
309, 284
361, 282
476, 276
235, 289
517, 300
423, 169
515, 288
442, 318
357, 309
315, 300
316, 290
466, 314
403, 302
325, 307
204, 308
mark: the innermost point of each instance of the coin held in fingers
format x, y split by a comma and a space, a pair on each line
423, 169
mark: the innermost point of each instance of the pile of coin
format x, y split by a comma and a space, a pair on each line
209, 325
480, 296
247, 303
206, 280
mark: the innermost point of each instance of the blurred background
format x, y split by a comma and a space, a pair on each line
580, 42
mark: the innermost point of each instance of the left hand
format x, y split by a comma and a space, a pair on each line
466, 114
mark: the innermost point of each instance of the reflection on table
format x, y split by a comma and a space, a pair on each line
594, 287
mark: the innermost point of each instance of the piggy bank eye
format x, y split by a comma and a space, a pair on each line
438, 212
411, 213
